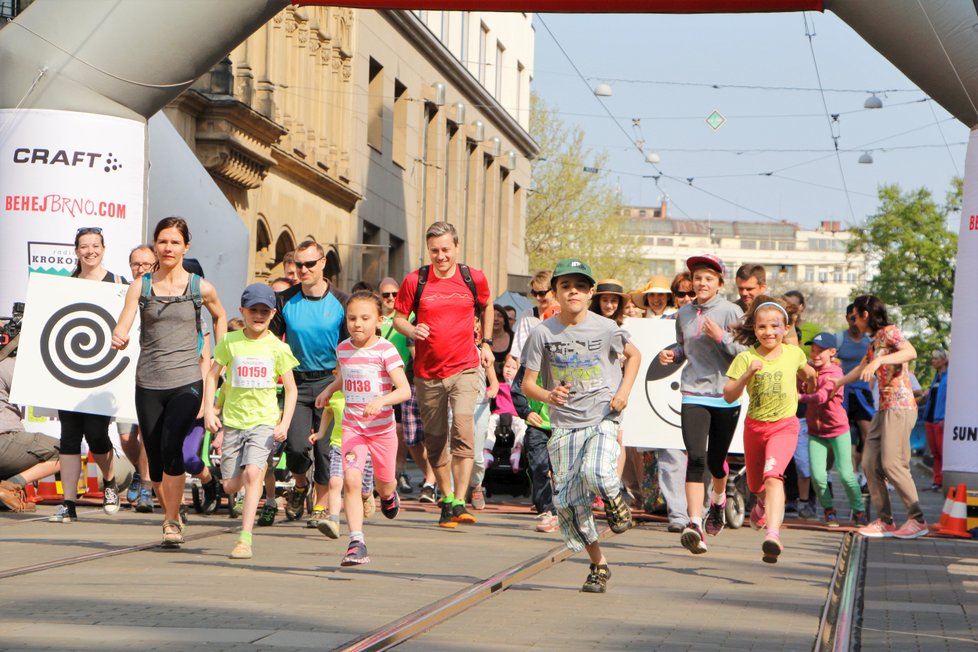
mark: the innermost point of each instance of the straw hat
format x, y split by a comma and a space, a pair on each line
656, 285
610, 286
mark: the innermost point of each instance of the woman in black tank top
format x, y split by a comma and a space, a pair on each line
75, 426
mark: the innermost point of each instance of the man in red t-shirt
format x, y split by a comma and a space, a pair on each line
446, 363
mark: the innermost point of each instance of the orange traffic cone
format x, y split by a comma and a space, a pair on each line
957, 519
948, 503
48, 490
92, 489
31, 493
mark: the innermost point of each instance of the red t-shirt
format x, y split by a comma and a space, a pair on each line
448, 309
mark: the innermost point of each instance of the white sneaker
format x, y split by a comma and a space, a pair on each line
110, 501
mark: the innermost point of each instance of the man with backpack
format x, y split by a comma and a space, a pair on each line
446, 297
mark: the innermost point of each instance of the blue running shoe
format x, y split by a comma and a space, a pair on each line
137, 485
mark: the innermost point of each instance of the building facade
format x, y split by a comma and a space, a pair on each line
814, 261
360, 128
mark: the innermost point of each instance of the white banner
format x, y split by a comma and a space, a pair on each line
961, 420
65, 360
61, 171
652, 419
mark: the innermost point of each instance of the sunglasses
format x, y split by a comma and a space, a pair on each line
85, 230
539, 293
389, 295
688, 295
308, 264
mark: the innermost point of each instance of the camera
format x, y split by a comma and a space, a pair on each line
11, 328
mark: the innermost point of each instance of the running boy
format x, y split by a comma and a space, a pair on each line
368, 366
250, 409
768, 371
577, 352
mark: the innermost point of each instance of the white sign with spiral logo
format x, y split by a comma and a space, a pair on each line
65, 360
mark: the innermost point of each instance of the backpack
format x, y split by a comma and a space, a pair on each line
423, 273
195, 296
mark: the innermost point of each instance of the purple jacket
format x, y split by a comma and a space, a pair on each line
825, 416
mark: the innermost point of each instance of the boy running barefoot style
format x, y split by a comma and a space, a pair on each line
368, 368
256, 358
767, 370
577, 354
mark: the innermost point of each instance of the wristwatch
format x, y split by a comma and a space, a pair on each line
486, 340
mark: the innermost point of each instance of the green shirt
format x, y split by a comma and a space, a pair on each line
773, 390
400, 342
252, 368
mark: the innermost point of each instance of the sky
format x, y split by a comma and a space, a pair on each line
662, 68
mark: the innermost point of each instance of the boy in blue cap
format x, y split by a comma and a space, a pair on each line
252, 423
577, 352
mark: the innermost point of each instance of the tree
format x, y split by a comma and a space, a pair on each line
572, 212
909, 245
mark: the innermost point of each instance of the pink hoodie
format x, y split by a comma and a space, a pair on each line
825, 416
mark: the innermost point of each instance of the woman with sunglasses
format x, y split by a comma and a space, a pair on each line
169, 384
94, 428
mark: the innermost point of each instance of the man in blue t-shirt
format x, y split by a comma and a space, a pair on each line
311, 316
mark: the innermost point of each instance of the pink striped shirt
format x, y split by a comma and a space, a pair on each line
366, 376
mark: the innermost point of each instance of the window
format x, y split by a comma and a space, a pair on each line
463, 53
748, 244
851, 278
451, 147
500, 49
823, 277
786, 245
837, 277
375, 106
483, 39
518, 105
445, 23
399, 144
809, 274
665, 242
662, 268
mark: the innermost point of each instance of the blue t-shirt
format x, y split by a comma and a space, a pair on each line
851, 353
313, 327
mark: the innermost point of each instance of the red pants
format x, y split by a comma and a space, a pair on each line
935, 441
768, 448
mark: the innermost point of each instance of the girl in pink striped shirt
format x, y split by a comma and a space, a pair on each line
371, 377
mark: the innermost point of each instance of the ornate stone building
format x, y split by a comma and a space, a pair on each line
359, 128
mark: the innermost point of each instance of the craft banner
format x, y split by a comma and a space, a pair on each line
961, 420
65, 360
61, 171
652, 419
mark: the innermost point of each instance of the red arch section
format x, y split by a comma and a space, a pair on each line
585, 6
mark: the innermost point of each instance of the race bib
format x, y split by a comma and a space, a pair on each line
360, 386
253, 373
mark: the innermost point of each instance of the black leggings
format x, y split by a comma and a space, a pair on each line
707, 433
93, 427
165, 419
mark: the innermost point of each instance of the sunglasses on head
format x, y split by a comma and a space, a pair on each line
308, 264
85, 230
389, 295
539, 293
688, 295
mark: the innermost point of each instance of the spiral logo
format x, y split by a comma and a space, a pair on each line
76, 346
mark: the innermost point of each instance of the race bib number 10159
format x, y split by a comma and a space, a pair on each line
253, 373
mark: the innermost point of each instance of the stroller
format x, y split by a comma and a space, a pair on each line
499, 477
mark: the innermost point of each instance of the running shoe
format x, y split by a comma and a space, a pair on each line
356, 554
65, 514
478, 498
210, 496
547, 522
860, 518
675, 527
241, 550
934, 487
597, 579
135, 488
446, 520
184, 515
716, 518
329, 528
806, 510
912, 529
427, 494
771, 548
618, 515
369, 505
597, 503
318, 515
461, 515
110, 500
831, 518
144, 504
296, 503
391, 506
237, 508
758, 517
693, 540
878, 529
267, 514
172, 534
404, 484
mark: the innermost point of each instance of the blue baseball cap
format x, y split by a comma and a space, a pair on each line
825, 339
258, 294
